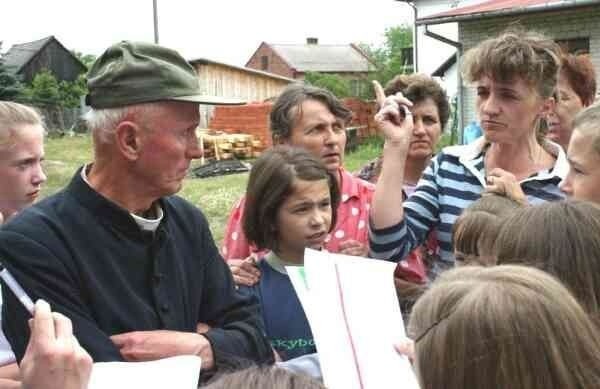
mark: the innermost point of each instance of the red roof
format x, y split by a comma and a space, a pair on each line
496, 7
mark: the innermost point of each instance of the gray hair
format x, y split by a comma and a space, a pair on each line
287, 108
12, 117
102, 122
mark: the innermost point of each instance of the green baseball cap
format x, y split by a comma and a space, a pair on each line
136, 72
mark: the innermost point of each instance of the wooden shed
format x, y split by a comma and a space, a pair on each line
28, 59
225, 80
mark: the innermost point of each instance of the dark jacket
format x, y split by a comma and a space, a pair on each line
89, 259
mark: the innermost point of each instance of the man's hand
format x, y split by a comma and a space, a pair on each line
244, 271
152, 345
394, 118
504, 183
354, 247
53, 358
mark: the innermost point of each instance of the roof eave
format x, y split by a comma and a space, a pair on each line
504, 12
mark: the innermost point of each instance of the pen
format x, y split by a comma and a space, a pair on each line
14, 286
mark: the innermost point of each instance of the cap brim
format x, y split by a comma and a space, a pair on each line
210, 100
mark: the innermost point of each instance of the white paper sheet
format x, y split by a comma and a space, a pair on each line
355, 318
179, 372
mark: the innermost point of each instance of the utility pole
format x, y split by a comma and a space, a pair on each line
155, 21
415, 37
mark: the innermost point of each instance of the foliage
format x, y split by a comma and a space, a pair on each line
390, 57
87, 59
10, 85
45, 89
332, 82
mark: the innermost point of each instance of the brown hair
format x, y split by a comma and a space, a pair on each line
515, 53
271, 181
503, 327
561, 238
287, 108
579, 72
12, 117
264, 377
419, 87
588, 123
475, 230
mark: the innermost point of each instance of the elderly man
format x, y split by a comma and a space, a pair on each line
133, 267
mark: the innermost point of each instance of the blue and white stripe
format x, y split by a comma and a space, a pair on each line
453, 181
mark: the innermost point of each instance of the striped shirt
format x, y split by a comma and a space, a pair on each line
453, 181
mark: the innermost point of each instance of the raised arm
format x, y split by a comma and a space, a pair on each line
395, 122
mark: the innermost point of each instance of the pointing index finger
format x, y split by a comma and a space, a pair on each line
379, 93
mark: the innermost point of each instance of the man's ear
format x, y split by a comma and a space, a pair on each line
128, 136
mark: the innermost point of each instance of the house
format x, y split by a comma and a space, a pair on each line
435, 52
294, 61
573, 23
231, 82
28, 59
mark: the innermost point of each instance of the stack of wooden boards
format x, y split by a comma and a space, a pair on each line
219, 145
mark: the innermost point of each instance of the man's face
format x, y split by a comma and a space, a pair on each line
169, 143
318, 131
583, 180
21, 173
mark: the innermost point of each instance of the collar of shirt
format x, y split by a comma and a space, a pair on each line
466, 154
144, 223
349, 185
276, 263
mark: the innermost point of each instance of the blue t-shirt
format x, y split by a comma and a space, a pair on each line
286, 325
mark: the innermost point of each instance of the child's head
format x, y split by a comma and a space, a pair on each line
264, 377
583, 153
291, 202
474, 231
560, 238
21, 154
503, 327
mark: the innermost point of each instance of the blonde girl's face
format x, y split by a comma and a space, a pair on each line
304, 219
583, 180
21, 172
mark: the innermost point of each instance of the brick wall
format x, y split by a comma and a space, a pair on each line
276, 64
578, 23
250, 119
253, 119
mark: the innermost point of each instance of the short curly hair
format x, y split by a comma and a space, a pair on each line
579, 72
417, 88
515, 53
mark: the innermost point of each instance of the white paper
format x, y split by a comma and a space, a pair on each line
181, 372
355, 319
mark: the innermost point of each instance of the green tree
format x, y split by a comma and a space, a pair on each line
10, 86
70, 92
87, 59
44, 89
391, 58
332, 82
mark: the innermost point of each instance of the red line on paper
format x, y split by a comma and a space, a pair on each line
341, 292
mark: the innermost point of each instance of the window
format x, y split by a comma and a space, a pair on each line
264, 62
575, 46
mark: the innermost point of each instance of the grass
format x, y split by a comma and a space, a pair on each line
215, 196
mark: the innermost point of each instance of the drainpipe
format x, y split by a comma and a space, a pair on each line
459, 89
415, 38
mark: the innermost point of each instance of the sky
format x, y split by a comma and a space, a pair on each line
221, 30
